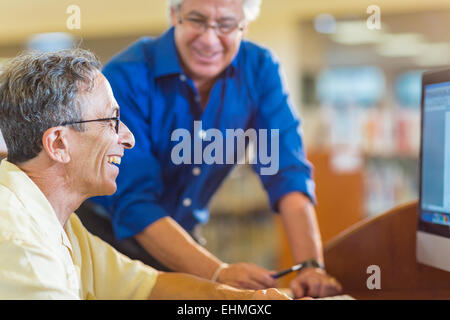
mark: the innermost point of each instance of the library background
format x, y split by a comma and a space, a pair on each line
357, 92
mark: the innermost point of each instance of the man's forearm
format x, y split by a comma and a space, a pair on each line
300, 222
179, 286
170, 244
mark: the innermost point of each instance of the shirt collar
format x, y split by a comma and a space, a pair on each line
234, 64
166, 61
35, 202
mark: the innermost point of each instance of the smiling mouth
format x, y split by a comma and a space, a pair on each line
206, 56
114, 159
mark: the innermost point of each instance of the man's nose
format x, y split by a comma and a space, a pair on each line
126, 138
209, 37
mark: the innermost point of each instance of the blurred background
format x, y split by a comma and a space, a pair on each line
357, 90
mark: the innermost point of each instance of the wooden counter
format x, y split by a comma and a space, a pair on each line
388, 241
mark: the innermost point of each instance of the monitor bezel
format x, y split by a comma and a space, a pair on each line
428, 78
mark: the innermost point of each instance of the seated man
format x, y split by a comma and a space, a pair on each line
65, 141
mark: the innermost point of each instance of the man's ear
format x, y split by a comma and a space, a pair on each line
173, 16
245, 31
55, 143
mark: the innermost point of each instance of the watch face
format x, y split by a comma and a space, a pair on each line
312, 263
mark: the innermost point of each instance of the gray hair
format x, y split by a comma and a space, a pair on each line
39, 91
251, 8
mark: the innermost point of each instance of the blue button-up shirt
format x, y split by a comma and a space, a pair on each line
156, 97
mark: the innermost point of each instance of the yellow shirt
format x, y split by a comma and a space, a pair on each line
39, 259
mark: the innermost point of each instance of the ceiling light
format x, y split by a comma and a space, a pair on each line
434, 54
356, 33
401, 45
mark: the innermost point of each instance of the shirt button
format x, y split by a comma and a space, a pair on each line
196, 171
187, 202
198, 99
182, 77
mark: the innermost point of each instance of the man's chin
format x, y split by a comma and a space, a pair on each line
111, 190
106, 191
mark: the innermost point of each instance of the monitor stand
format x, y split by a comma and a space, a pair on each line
433, 250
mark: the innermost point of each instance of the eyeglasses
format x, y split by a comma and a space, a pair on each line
221, 29
116, 119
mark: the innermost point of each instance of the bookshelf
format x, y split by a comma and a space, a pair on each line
381, 143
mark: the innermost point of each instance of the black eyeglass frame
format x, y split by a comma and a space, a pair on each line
117, 119
205, 26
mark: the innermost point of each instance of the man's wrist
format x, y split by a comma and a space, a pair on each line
218, 270
311, 263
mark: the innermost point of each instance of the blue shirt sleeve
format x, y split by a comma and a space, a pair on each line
135, 204
275, 111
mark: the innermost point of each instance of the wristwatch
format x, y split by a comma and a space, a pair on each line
311, 263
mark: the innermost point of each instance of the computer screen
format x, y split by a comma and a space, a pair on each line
434, 204
435, 200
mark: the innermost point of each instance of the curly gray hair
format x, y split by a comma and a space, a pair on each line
39, 91
251, 8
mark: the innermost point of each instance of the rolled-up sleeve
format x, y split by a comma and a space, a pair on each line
276, 113
135, 204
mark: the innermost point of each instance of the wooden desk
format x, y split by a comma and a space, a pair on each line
388, 241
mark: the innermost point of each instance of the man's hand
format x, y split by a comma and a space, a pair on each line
270, 294
314, 282
181, 286
246, 276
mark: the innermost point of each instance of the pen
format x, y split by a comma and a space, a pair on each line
291, 269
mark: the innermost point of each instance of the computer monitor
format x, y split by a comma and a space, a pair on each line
433, 234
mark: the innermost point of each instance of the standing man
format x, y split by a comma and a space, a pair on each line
202, 71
